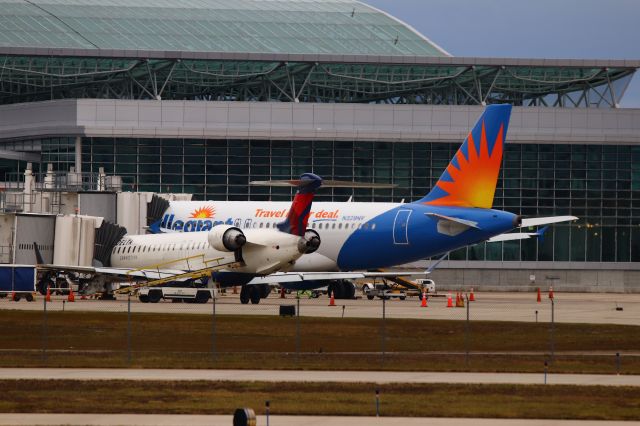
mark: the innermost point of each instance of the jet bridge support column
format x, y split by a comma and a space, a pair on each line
78, 154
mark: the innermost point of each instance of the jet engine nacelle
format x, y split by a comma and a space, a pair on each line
310, 243
226, 238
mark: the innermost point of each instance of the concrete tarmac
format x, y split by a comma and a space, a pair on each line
204, 420
381, 377
598, 308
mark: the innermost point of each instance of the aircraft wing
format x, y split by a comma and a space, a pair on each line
290, 277
123, 273
537, 221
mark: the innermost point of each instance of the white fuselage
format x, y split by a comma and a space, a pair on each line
334, 222
265, 252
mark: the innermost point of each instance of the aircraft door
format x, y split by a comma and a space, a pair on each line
401, 227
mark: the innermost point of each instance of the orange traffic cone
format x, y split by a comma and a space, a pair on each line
332, 300
71, 297
472, 297
13, 296
460, 301
550, 292
48, 296
424, 300
83, 297
449, 301
539, 297
282, 293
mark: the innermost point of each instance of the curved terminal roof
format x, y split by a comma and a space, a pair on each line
242, 26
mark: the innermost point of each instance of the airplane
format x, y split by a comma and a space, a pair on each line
457, 212
228, 249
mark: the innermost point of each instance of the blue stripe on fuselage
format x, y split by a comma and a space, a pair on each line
369, 248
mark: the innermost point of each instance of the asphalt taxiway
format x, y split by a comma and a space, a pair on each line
381, 377
597, 308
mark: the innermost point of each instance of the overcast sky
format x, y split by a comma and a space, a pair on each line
582, 29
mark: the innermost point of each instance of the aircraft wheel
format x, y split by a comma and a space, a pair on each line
339, 290
155, 296
244, 295
265, 290
349, 289
370, 297
254, 295
203, 296
42, 287
29, 297
143, 298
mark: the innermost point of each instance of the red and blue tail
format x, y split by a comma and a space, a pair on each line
470, 178
298, 217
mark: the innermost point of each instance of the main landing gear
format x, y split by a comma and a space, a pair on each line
254, 293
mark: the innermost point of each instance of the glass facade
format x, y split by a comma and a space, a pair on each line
598, 183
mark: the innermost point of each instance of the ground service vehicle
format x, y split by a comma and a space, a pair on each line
175, 294
427, 285
383, 291
19, 281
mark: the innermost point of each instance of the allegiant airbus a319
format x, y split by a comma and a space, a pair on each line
363, 236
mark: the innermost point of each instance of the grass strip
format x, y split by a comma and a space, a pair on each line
325, 361
99, 339
357, 399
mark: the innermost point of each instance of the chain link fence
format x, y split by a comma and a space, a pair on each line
595, 333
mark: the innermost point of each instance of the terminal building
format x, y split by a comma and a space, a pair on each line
201, 97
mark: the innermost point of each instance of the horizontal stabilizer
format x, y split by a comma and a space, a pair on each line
519, 236
537, 221
325, 184
512, 237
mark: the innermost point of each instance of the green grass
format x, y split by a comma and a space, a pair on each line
99, 339
357, 399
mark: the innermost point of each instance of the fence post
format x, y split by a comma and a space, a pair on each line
552, 333
129, 329
298, 330
213, 328
466, 335
383, 328
44, 331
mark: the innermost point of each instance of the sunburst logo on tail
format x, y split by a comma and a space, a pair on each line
206, 212
470, 179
